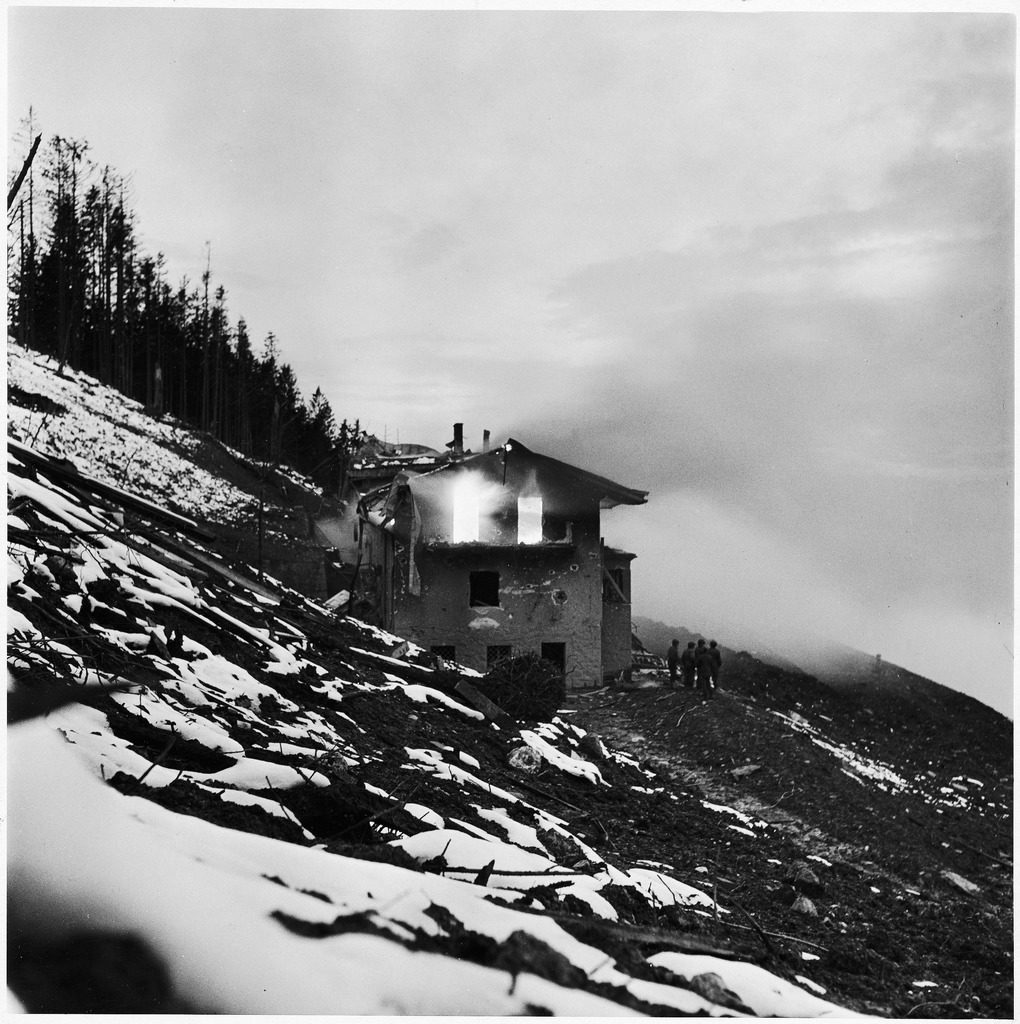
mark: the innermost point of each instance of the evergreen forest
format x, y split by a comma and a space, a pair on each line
80, 289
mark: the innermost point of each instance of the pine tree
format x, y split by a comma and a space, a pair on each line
81, 289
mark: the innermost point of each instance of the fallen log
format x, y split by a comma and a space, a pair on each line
69, 474
538, 791
774, 935
492, 711
683, 942
403, 669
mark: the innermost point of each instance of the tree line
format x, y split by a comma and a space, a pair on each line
82, 290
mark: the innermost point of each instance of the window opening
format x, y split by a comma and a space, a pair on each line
614, 586
557, 654
494, 652
529, 520
484, 589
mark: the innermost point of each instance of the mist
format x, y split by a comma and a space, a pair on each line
725, 574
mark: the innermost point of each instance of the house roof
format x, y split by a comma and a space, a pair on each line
610, 493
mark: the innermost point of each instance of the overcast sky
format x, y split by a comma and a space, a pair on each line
758, 264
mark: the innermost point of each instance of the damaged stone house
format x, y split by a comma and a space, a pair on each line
475, 556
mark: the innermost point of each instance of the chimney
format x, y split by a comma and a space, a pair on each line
458, 439
485, 440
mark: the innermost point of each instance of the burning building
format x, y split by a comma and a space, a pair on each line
479, 555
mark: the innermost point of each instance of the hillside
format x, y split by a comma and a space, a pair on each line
224, 798
865, 681
255, 512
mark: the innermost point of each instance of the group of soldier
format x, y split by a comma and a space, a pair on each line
697, 666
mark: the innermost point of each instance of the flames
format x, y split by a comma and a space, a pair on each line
480, 507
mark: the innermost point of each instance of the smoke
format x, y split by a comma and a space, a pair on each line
722, 572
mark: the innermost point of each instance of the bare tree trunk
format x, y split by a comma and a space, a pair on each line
12, 193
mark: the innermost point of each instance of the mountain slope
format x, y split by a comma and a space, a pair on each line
886, 689
258, 513
250, 805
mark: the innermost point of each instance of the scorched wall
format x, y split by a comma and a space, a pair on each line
547, 595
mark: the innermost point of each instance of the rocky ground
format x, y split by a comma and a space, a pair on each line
907, 885
855, 841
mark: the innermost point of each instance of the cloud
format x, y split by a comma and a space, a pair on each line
428, 245
709, 567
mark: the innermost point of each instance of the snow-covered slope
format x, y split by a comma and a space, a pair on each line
287, 827
109, 436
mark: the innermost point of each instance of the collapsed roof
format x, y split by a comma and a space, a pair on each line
381, 505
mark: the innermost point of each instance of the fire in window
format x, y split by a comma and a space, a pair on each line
466, 507
484, 590
529, 520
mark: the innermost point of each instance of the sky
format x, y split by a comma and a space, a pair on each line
759, 263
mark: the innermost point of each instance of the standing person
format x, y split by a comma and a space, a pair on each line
687, 665
713, 650
705, 664
673, 661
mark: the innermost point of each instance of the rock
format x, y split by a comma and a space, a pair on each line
339, 600
710, 986
747, 769
524, 759
591, 746
961, 883
804, 880
804, 906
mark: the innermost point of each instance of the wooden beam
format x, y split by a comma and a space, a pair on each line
492, 711
615, 585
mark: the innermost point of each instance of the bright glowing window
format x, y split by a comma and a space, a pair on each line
465, 512
529, 520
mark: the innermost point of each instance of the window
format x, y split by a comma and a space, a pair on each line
494, 652
529, 520
484, 590
557, 654
615, 584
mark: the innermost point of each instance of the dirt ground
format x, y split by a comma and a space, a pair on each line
887, 916
882, 863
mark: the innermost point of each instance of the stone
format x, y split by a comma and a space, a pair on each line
961, 883
591, 746
804, 880
340, 599
802, 905
525, 759
710, 986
